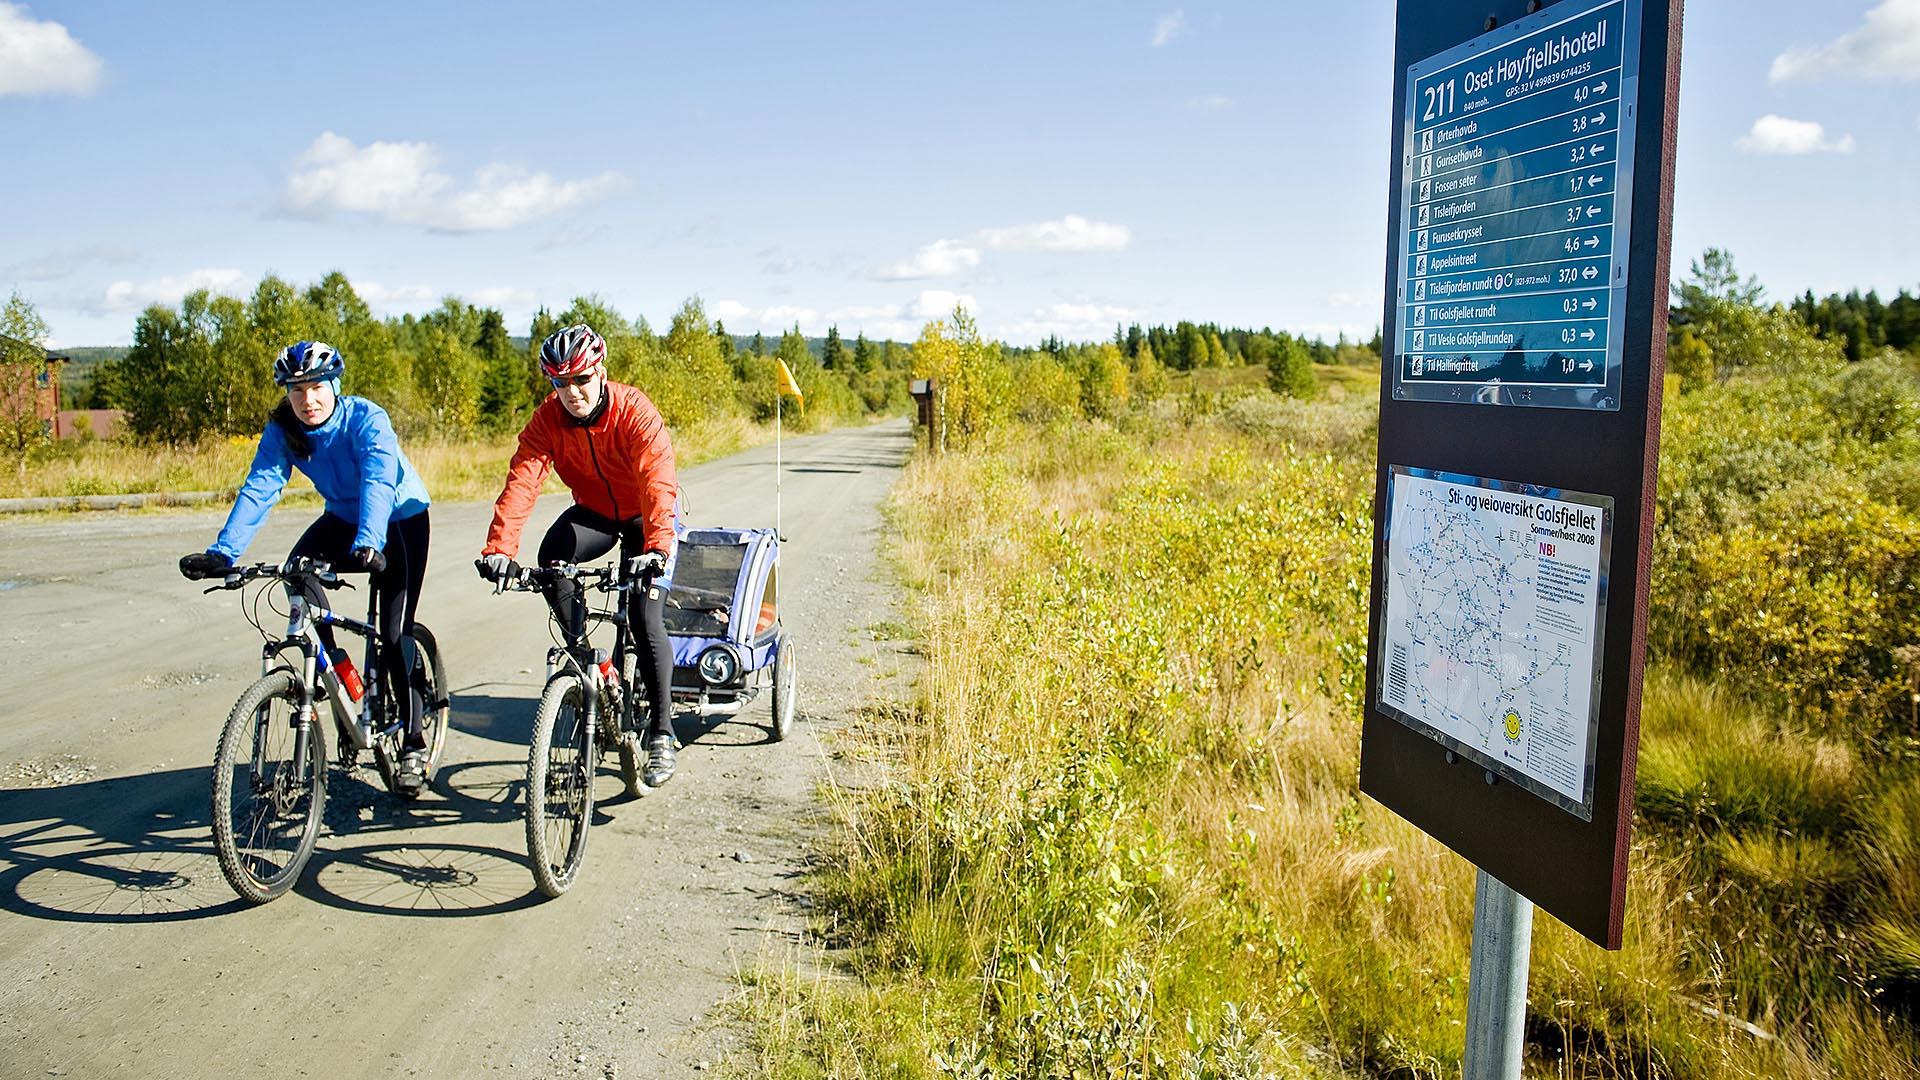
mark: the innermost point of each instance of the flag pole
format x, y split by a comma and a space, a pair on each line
778, 479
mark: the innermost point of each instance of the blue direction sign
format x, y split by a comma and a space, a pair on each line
1518, 166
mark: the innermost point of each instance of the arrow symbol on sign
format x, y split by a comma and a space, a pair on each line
1596, 179
1601, 89
1600, 118
1599, 149
1590, 273
1586, 365
1591, 303
1586, 335
1593, 241
1593, 211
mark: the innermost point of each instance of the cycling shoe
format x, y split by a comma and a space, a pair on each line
660, 761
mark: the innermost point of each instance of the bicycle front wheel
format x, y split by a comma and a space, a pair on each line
268, 791
560, 763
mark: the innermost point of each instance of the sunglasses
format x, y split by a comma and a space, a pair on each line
572, 380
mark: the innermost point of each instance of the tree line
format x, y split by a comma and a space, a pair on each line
202, 368
1863, 325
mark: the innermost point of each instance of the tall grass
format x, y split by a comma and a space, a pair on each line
452, 469
1121, 832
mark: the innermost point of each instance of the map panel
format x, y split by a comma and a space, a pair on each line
1495, 600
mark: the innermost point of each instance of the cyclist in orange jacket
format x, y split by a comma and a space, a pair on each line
610, 445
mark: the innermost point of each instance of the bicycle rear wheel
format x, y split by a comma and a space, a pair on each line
437, 711
267, 804
430, 680
631, 757
560, 764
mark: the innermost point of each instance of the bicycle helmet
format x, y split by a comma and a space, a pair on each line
572, 351
308, 361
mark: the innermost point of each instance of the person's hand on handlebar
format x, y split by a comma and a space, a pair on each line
496, 568
368, 559
204, 564
645, 563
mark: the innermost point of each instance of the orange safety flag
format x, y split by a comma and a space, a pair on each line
787, 385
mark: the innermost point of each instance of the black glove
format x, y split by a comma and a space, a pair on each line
368, 559
496, 568
204, 564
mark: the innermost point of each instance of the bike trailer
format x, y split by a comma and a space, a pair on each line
728, 643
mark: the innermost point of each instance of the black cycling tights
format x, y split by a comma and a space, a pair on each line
331, 538
581, 535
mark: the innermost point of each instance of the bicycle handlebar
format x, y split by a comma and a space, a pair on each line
608, 578
293, 569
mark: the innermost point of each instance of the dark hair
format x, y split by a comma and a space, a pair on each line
290, 426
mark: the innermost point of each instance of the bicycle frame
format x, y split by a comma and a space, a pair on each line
303, 622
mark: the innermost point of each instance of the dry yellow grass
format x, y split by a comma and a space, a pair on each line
452, 469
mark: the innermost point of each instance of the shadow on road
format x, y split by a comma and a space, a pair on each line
139, 849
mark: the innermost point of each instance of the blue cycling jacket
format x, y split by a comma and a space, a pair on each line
356, 465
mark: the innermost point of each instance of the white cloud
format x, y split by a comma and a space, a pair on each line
1070, 321
1885, 46
1353, 300
939, 304
1169, 26
1070, 233
397, 181
942, 258
1210, 102
40, 57
900, 322
507, 298
1778, 135
731, 310
400, 298
782, 316
66, 263
123, 296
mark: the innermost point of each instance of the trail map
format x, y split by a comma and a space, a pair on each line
1491, 636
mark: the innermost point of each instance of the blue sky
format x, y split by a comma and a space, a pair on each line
1061, 167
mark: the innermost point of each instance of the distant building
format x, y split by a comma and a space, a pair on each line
43, 383
40, 382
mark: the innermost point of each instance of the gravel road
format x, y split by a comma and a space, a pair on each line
416, 943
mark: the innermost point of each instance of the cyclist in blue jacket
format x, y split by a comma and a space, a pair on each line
376, 515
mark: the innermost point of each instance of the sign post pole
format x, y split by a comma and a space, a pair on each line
1497, 981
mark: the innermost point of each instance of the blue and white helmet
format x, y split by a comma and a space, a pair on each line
308, 361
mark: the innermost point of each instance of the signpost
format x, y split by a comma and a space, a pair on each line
1525, 332
1512, 287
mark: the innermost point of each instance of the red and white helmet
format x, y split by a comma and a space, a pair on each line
573, 350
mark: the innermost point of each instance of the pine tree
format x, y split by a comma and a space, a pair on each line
835, 356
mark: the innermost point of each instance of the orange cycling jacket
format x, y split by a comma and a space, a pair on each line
619, 466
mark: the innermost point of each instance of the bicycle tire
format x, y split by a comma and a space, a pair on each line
300, 800
557, 826
631, 757
784, 678
433, 722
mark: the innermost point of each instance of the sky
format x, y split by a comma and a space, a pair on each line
1056, 168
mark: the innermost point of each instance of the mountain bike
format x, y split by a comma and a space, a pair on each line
269, 770
587, 707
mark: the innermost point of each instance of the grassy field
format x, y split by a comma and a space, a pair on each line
1119, 831
452, 470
